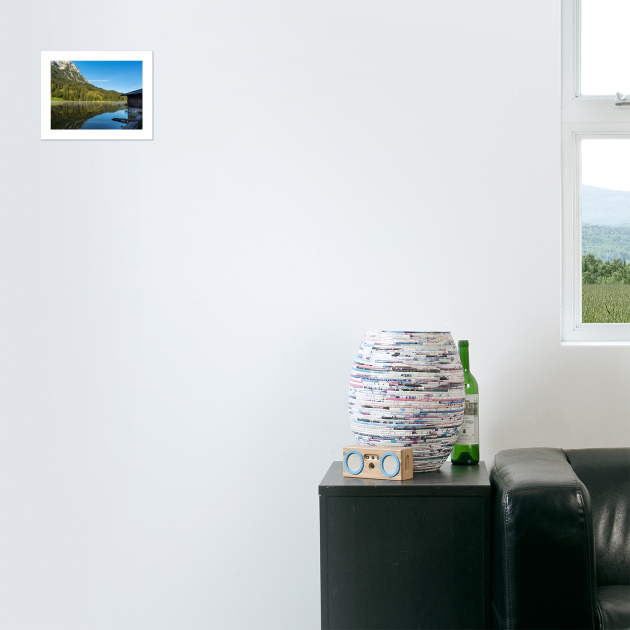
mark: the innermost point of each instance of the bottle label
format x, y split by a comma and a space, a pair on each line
469, 431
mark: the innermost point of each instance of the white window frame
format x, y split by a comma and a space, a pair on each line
582, 117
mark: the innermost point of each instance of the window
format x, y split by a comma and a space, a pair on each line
595, 172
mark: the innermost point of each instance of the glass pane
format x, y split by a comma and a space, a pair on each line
605, 49
605, 231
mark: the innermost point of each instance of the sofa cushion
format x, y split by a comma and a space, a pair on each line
613, 607
606, 475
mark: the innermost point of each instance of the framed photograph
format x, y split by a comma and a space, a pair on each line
97, 95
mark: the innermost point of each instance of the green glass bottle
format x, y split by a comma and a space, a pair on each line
466, 449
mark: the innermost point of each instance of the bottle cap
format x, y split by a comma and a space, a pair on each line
463, 342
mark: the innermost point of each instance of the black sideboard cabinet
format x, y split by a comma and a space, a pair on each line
406, 554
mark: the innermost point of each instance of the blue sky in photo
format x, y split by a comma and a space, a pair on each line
122, 76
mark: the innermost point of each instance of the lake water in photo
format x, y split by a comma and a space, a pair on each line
90, 115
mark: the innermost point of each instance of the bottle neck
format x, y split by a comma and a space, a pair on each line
463, 354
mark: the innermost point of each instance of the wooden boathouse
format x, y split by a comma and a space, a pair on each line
134, 99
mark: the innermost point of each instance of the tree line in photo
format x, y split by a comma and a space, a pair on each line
61, 88
82, 92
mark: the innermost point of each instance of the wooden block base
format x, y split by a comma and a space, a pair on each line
372, 462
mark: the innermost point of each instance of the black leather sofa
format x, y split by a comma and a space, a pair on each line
561, 540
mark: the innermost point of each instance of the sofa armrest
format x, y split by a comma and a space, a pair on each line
543, 565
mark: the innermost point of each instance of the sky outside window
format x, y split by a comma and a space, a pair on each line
606, 164
605, 51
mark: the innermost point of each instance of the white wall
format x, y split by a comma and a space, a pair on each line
179, 317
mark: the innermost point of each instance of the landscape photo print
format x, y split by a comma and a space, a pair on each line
97, 95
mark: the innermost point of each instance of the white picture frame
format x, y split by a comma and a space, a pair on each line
146, 133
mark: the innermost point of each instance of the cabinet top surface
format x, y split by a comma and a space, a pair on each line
449, 480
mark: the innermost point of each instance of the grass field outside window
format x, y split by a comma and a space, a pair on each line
606, 303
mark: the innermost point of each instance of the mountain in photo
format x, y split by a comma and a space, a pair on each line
66, 72
68, 84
